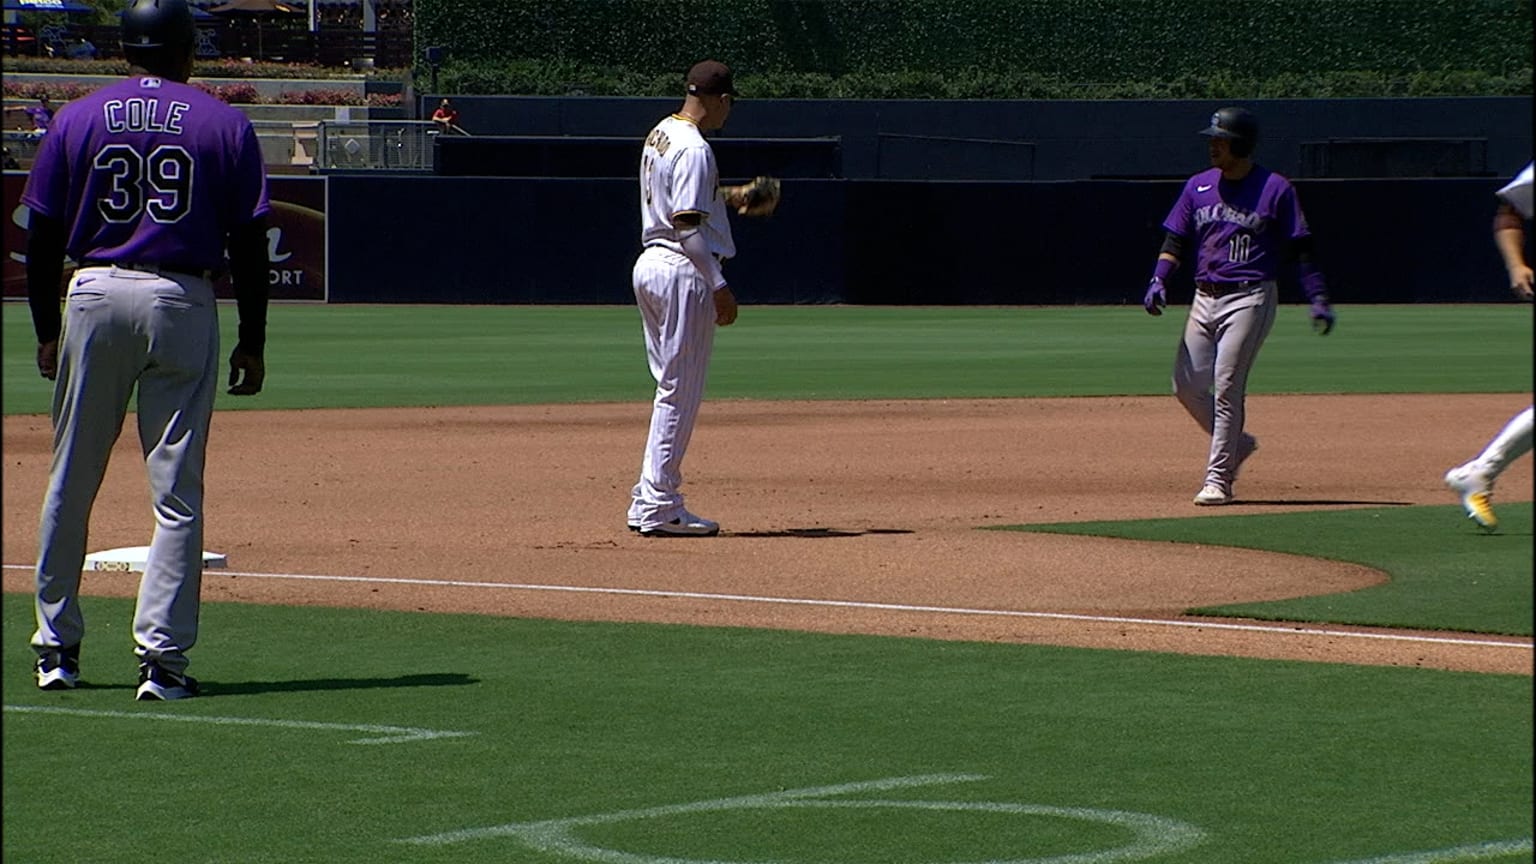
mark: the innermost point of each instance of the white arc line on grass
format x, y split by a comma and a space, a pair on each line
388, 734
1294, 630
1154, 835
1476, 852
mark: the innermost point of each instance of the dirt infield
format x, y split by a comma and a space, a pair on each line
839, 517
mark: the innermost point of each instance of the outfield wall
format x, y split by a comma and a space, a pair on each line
426, 239
488, 240
1018, 139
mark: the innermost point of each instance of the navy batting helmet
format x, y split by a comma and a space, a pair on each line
1237, 125
158, 24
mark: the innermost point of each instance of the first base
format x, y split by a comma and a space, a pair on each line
131, 559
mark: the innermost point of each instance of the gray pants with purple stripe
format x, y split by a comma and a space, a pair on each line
1222, 338
124, 328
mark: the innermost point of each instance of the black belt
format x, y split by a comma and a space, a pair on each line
1217, 289
150, 267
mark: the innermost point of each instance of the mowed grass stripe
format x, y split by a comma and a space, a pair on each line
380, 356
1273, 762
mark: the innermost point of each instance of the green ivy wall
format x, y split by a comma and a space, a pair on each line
984, 47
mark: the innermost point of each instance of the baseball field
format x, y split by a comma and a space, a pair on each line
962, 609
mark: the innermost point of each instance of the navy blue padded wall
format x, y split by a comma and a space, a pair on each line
530, 240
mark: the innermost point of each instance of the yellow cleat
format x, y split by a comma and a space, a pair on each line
1480, 509
1476, 495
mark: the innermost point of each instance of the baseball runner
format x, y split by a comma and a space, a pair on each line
681, 291
1243, 219
1473, 480
143, 182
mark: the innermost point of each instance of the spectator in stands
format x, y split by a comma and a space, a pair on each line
41, 114
447, 119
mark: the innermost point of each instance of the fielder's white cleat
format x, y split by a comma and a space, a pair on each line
685, 525
1212, 495
1476, 495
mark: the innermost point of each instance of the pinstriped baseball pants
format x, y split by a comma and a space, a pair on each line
677, 311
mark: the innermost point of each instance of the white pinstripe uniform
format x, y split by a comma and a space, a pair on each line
677, 176
1473, 480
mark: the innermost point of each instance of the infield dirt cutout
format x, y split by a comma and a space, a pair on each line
870, 505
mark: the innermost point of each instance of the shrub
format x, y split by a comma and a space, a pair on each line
533, 77
60, 92
321, 97
234, 94
221, 68
238, 93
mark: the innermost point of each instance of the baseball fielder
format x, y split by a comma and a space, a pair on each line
1473, 480
681, 292
1243, 219
143, 182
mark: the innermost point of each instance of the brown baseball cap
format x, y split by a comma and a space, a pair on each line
710, 78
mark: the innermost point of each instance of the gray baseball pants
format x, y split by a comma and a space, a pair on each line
1222, 338
160, 332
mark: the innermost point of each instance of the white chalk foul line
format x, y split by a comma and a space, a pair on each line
385, 734
1292, 630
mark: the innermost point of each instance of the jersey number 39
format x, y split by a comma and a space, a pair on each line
159, 184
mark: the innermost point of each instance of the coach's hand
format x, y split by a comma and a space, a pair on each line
48, 359
255, 369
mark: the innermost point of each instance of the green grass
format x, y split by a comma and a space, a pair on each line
1272, 762
1445, 573
358, 356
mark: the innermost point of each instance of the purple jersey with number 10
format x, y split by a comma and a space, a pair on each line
1242, 226
153, 171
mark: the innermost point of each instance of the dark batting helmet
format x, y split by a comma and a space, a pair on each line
158, 24
1237, 125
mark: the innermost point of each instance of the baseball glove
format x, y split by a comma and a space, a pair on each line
758, 198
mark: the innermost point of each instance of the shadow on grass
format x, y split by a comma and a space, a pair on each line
429, 679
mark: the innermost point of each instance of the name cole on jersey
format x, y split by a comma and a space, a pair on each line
144, 115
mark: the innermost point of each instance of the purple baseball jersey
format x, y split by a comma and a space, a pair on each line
1242, 226
150, 171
